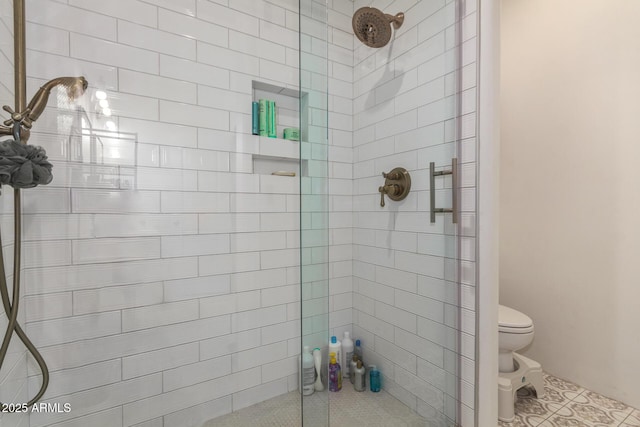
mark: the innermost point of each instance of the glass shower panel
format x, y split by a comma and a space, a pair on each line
314, 198
162, 269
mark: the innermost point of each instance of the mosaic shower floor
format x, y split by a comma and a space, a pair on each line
566, 404
348, 408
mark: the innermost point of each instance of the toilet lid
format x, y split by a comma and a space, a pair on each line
510, 320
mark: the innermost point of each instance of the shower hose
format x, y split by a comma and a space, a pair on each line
21, 166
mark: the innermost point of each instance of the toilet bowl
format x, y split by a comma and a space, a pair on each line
515, 331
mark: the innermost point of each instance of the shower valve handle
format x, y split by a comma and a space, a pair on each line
18, 118
396, 185
394, 176
389, 190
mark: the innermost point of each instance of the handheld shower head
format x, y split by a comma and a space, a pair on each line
373, 27
75, 87
20, 123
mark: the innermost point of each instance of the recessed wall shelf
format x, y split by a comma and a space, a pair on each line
278, 147
278, 154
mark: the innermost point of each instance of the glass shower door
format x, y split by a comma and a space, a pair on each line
404, 104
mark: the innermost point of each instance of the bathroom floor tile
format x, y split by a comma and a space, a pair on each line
524, 420
584, 414
552, 400
568, 405
616, 410
633, 420
519, 421
534, 411
562, 388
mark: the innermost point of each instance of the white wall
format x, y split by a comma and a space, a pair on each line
404, 296
488, 155
569, 206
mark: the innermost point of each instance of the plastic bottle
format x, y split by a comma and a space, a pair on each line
374, 379
358, 351
352, 367
359, 375
335, 374
307, 372
335, 347
347, 354
317, 361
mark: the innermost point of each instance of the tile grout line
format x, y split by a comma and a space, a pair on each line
555, 412
563, 406
627, 417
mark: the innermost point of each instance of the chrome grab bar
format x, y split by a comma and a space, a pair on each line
454, 187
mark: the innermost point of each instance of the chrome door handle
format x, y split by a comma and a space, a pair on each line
454, 187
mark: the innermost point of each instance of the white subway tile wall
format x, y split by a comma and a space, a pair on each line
404, 295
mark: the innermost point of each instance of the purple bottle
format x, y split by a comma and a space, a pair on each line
335, 374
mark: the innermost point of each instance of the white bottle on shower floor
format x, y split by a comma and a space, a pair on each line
317, 361
347, 354
335, 347
307, 372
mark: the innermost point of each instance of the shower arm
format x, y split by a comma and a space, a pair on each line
396, 20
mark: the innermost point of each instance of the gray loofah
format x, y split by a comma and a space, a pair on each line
23, 166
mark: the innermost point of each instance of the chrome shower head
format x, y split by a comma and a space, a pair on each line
373, 27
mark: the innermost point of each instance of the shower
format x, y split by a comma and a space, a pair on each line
373, 27
172, 274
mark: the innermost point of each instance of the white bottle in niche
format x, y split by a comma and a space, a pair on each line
347, 355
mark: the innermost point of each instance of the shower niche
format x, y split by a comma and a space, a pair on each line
279, 156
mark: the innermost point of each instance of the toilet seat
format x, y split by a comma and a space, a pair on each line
513, 322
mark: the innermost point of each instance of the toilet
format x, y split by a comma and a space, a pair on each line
515, 331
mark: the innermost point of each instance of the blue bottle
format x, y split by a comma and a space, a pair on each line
374, 379
255, 118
